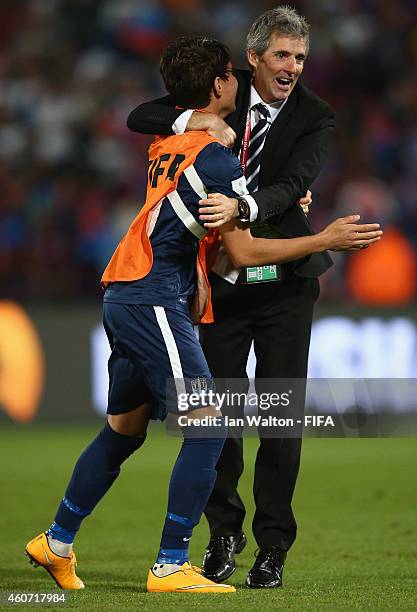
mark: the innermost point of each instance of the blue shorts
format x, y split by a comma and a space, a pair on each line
150, 345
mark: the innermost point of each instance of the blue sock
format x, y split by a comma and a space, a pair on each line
94, 473
191, 483
175, 539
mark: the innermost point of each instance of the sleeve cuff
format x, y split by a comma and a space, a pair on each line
253, 207
178, 127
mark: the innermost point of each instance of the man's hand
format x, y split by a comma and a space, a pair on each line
217, 209
345, 234
213, 125
305, 202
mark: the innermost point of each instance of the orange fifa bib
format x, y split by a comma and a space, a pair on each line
133, 258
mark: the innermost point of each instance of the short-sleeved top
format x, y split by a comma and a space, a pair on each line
171, 281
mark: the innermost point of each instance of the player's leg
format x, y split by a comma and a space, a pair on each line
133, 424
94, 473
191, 482
97, 467
170, 341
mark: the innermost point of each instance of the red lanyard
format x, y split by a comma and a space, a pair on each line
245, 143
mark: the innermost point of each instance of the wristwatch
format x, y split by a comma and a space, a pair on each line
243, 209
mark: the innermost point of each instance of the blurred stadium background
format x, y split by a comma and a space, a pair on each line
72, 177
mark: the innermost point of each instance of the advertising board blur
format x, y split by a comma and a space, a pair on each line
69, 352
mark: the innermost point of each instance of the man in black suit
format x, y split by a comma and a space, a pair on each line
282, 132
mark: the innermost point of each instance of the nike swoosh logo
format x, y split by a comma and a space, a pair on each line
186, 539
48, 561
202, 586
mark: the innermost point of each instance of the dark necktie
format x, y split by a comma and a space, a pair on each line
256, 143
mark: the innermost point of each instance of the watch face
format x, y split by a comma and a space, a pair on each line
243, 208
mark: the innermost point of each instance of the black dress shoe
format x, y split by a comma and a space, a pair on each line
219, 560
268, 569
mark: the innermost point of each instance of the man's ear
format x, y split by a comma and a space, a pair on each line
217, 87
253, 58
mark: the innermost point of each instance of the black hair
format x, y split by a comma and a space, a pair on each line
189, 66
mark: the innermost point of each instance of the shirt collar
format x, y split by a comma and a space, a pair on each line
273, 108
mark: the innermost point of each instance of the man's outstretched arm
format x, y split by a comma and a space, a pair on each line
344, 234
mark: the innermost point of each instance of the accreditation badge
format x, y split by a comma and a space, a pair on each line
262, 274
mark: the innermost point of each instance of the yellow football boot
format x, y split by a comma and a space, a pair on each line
187, 579
62, 569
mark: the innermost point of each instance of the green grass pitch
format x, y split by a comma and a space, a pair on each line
356, 505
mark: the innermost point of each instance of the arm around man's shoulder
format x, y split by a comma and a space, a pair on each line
154, 117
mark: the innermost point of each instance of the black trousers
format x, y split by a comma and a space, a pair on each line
277, 317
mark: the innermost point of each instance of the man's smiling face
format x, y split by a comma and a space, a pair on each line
276, 72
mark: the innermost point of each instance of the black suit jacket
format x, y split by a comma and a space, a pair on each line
293, 154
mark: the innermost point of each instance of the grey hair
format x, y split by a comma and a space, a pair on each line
282, 20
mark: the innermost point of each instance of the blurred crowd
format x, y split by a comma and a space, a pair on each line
72, 175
